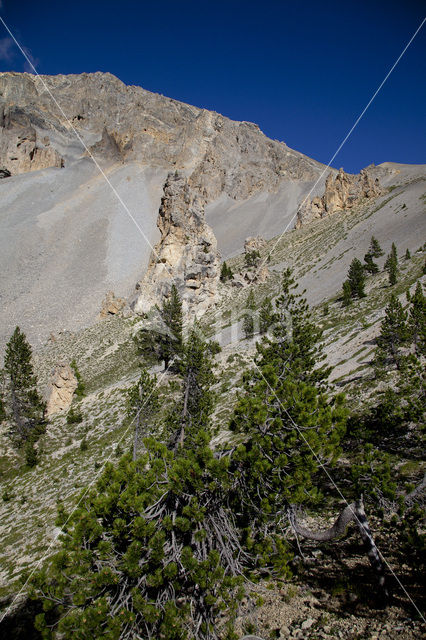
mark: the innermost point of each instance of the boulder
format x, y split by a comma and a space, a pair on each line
61, 389
112, 305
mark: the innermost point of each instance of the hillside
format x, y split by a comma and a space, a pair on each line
66, 240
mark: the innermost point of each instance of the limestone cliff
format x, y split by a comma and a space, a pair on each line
127, 123
342, 192
186, 254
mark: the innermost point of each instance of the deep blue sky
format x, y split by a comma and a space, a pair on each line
303, 71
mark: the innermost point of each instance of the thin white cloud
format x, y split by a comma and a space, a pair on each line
7, 49
34, 61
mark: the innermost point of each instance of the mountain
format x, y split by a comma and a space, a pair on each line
196, 182
67, 235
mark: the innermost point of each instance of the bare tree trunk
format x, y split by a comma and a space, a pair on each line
353, 512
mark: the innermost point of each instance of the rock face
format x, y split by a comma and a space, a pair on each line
111, 305
61, 389
342, 192
68, 227
22, 148
127, 123
186, 254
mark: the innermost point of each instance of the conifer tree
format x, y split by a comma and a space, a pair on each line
391, 265
248, 325
192, 416
142, 404
225, 273
375, 250
347, 294
251, 301
22, 403
162, 339
407, 254
288, 421
370, 266
171, 341
356, 279
417, 320
394, 334
154, 552
266, 316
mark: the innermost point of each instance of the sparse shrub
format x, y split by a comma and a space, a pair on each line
7, 495
83, 445
252, 259
407, 254
80, 390
74, 416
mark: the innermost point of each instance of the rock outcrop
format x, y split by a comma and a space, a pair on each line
111, 305
254, 244
61, 389
342, 192
22, 147
186, 254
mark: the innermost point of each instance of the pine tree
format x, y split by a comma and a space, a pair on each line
191, 419
154, 551
391, 265
142, 406
248, 325
288, 422
347, 294
407, 254
225, 273
266, 316
417, 320
171, 341
251, 301
393, 336
356, 279
296, 339
22, 402
370, 266
161, 337
375, 250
